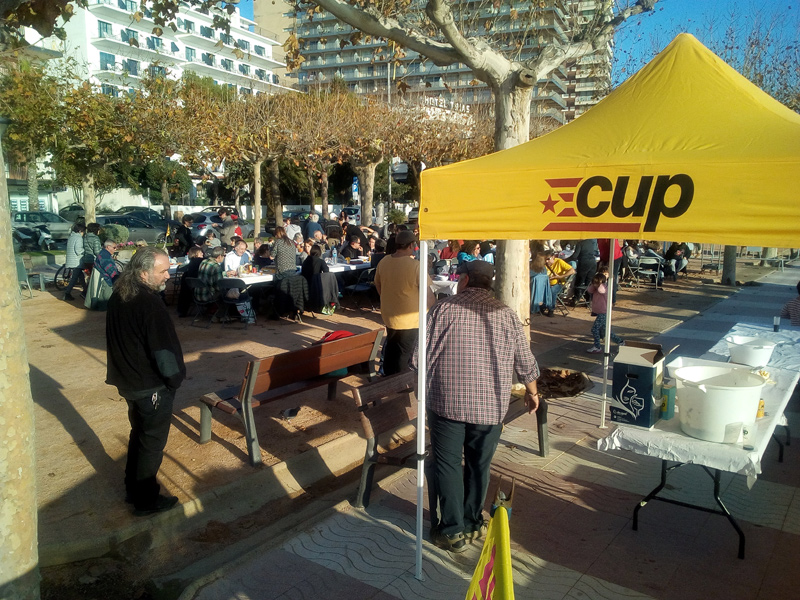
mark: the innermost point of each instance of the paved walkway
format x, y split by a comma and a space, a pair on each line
571, 523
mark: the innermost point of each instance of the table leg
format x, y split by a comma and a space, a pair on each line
650, 496
780, 447
726, 512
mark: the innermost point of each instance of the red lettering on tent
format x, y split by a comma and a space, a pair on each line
565, 182
619, 227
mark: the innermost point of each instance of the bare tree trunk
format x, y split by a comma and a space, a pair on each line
729, 266
323, 190
312, 187
512, 273
33, 181
275, 190
767, 253
19, 567
366, 175
165, 199
414, 169
236, 200
89, 208
257, 197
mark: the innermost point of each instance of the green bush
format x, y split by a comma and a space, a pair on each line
115, 233
396, 216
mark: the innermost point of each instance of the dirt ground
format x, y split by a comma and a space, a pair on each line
82, 426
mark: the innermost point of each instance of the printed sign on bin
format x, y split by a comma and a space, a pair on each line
636, 388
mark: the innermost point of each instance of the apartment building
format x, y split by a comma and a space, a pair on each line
366, 69
117, 50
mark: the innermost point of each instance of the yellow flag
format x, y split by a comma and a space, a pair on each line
493, 579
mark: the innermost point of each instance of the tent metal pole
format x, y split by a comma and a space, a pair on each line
607, 342
422, 370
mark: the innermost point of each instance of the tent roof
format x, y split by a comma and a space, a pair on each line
686, 149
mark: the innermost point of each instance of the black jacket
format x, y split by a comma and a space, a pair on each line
143, 350
183, 237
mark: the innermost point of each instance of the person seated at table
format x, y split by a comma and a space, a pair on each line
313, 264
652, 249
470, 250
303, 250
487, 251
451, 250
676, 257
284, 253
541, 297
371, 240
210, 274
559, 271
791, 310
257, 242
190, 269
236, 257
263, 258
353, 249
377, 256
313, 225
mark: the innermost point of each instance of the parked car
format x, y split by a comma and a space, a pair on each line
59, 227
72, 213
300, 217
354, 215
137, 228
413, 215
213, 209
154, 218
203, 224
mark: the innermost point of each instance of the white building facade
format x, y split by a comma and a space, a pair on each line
117, 50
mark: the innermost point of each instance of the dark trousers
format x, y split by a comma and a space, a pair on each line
150, 418
583, 277
398, 349
75, 277
458, 493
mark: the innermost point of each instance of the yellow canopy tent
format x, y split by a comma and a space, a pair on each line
685, 149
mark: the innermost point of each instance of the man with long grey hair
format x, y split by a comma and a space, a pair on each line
145, 363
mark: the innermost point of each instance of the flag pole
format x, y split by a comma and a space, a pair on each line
607, 341
422, 369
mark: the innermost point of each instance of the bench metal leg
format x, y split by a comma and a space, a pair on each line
541, 427
205, 423
332, 389
376, 347
367, 476
251, 437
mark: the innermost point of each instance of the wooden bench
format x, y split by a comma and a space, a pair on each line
391, 403
269, 379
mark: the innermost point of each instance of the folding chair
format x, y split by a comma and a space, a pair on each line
22, 276
27, 261
249, 316
564, 295
648, 267
194, 283
364, 285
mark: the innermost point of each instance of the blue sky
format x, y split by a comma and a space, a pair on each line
246, 6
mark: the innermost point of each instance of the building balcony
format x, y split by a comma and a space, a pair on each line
115, 45
114, 10
116, 74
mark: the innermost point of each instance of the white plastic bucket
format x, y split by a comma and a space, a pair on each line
714, 402
752, 351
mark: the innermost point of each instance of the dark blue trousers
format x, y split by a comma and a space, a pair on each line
457, 494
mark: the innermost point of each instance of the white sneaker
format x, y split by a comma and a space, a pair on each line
594, 350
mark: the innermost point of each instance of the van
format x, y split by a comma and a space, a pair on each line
354, 215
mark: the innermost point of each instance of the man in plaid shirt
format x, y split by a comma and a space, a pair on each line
475, 343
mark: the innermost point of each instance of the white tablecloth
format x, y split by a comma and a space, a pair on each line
786, 355
666, 440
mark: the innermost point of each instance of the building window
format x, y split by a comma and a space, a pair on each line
245, 91
259, 50
244, 45
109, 90
207, 32
227, 64
132, 67
244, 69
226, 38
275, 78
130, 34
104, 29
188, 26
191, 53
155, 43
209, 59
157, 72
129, 5
107, 61
261, 74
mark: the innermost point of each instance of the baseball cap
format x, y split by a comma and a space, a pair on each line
476, 267
405, 237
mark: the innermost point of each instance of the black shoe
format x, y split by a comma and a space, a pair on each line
68, 297
549, 312
451, 543
161, 504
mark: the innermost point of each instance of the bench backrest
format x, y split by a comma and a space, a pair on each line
387, 404
299, 365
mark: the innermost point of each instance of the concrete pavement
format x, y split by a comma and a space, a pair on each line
571, 523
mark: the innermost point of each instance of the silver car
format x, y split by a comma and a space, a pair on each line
59, 227
137, 229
